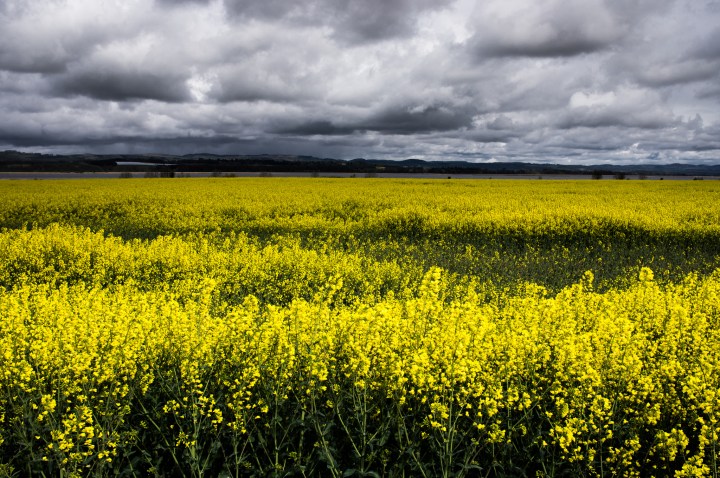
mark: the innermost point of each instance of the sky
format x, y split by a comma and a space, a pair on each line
562, 81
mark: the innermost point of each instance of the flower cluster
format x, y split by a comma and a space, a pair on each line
298, 338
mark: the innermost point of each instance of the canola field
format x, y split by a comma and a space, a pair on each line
359, 327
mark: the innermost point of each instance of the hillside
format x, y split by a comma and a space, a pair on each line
16, 161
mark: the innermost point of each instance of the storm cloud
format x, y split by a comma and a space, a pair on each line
499, 80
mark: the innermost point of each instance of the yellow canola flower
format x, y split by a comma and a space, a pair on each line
216, 340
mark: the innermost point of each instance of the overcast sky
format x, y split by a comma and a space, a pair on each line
487, 80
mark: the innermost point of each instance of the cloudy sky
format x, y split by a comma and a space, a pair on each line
569, 81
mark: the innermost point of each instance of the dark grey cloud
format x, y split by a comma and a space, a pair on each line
418, 119
501, 123
400, 120
709, 47
560, 44
544, 29
556, 43
253, 79
269, 9
626, 107
177, 3
46, 36
315, 128
709, 91
669, 51
351, 21
47, 60
25, 51
373, 20
558, 80
677, 73
123, 85
591, 118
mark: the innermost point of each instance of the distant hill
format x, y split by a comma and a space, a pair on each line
16, 161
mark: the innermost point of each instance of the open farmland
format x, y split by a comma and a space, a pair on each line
359, 327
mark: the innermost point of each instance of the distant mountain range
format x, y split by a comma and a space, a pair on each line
16, 161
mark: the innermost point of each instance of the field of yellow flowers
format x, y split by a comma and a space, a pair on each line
359, 327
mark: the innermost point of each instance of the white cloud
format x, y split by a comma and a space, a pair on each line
580, 99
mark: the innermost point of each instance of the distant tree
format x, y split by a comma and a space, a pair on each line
126, 175
620, 176
597, 175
